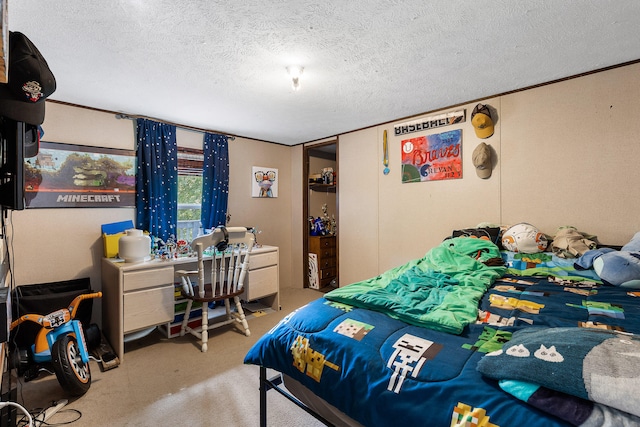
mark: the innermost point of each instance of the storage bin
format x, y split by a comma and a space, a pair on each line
43, 298
111, 234
111, 244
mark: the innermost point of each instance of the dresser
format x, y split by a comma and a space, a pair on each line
137, 296
325, 249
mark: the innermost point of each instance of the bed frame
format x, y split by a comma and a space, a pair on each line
275, 383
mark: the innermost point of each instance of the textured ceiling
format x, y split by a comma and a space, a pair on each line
220, 65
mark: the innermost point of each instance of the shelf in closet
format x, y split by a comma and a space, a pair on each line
328, 188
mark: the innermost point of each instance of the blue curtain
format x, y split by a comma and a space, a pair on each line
215, 180
157, 179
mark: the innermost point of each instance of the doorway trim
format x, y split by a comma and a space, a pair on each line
306, 153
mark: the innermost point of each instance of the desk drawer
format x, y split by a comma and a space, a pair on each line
261, 283
263, 260
141, 279
148, 307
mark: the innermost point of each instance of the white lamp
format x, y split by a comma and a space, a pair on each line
295, 71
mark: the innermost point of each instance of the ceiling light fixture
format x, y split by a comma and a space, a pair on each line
295, 71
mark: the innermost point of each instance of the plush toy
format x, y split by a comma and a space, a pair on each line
524, 238
570, 243
617, 268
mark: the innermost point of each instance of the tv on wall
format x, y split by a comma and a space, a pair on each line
12, 139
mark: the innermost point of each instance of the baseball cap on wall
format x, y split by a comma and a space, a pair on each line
481, 158
30, 82
481, 121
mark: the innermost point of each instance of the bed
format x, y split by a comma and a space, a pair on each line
468, 335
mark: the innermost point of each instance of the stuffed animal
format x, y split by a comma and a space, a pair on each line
524, 238
570, 243
617, 268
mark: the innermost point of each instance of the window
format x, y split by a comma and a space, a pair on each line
190, 162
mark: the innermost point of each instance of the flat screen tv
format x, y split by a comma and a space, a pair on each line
12, 137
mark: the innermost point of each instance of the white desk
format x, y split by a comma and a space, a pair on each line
136, 296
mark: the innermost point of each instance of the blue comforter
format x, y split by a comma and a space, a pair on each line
380, 370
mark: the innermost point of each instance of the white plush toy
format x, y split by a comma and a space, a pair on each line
524, 238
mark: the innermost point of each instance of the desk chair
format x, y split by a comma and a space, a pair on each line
227, 268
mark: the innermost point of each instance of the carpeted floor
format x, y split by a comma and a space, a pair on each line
169, 382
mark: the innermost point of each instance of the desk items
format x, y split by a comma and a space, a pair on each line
111, 234
134, 246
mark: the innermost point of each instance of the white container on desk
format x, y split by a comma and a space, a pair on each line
135, 246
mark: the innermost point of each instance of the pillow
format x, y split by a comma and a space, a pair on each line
593, 364
491, 234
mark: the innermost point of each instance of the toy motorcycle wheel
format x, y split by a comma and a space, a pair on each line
73, 374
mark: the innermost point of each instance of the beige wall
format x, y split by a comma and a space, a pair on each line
387, 222
298, 222
570, 154
271, 216
358, 202
565, 154
61, 244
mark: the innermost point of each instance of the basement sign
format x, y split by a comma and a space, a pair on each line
430, 122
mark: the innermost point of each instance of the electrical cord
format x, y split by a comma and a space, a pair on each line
38, 419
26, 419
20, 407
40, 415
8, 252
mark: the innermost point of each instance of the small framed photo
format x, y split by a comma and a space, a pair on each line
264, 182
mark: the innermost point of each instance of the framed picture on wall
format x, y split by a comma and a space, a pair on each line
78, 176
432, 157
264, 182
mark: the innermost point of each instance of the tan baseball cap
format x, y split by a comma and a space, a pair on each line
482, 160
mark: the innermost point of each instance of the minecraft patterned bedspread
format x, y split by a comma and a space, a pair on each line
380, 370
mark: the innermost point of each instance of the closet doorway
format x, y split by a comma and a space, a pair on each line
320, 211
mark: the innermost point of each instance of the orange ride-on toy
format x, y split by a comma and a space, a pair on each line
60, 344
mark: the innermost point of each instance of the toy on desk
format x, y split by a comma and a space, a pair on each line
255, 232
182, 247
165, 250
171, 246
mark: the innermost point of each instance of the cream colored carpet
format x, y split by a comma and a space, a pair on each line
169, 382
